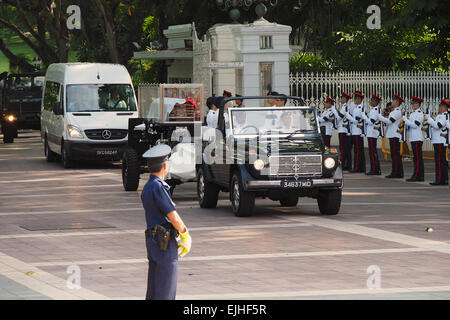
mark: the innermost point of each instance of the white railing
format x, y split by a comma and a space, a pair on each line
430, 86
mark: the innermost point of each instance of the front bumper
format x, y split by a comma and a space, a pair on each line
79, 150
276, 184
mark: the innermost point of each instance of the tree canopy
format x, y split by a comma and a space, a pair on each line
414, 34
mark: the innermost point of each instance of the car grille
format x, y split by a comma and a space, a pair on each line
106, 134
302, 165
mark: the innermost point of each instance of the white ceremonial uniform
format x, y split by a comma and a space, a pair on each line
371, 120
415, 123
355, 119
212, 118
436, 128
340, 117
327, 120
393, 122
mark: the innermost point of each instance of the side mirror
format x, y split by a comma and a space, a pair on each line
57, 108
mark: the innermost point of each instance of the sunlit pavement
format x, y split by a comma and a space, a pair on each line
55, 222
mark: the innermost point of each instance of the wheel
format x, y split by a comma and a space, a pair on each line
242, 202
49, 154
289, 201
9, 134
207, 192
130, 170
65, 158
329, 201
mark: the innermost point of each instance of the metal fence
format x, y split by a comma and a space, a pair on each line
430, 86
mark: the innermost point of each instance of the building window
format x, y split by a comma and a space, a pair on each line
265, 77
265, 42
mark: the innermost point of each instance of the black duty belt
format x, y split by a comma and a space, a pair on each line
163, 235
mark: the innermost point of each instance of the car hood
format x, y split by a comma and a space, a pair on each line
100, 120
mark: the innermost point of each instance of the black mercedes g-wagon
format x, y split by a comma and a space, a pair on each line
275, 152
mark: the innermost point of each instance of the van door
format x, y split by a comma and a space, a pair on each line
54, 133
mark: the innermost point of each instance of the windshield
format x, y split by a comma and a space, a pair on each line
273, 120
100, 97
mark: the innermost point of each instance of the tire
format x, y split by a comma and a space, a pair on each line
290, 201
242, 202
9, 134
49, 154
131, 169
329, 201
65, 158
207, 192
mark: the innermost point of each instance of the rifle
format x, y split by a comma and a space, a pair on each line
379, 125
426, 127
401, 128
405, 128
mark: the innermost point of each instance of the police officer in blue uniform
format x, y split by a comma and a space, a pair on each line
166, 236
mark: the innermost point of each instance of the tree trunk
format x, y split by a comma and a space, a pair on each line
60, 35
108, 20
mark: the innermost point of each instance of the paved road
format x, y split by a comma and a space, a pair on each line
80, 220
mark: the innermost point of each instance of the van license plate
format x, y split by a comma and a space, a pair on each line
107, 152
296, 184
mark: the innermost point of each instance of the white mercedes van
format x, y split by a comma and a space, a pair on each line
85, 111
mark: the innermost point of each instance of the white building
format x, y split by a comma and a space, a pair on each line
249, 59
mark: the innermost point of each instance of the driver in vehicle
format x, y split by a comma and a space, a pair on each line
286, 121
117, 102
18, 83
271, 117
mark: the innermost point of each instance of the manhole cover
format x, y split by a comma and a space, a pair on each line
78, 224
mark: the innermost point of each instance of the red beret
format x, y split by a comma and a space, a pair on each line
399, 98
417, 99
359, 95
376, 97
330, 100
445, 102
343, 94
227, 93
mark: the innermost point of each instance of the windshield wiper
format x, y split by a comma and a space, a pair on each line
295, 132
89, 111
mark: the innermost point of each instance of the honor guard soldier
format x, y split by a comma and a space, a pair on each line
414, 124
392, 122
327, 119
166, 236
372, 135
357, 124
343, 131
213, 114
438, 139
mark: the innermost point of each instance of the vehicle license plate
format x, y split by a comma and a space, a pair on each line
107, 152
296, 184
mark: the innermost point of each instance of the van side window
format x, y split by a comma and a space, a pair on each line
51, 94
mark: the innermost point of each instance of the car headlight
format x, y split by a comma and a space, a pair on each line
259, 164
74, 132
329, 163
11, 118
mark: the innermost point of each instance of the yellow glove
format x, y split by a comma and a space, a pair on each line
184, 242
